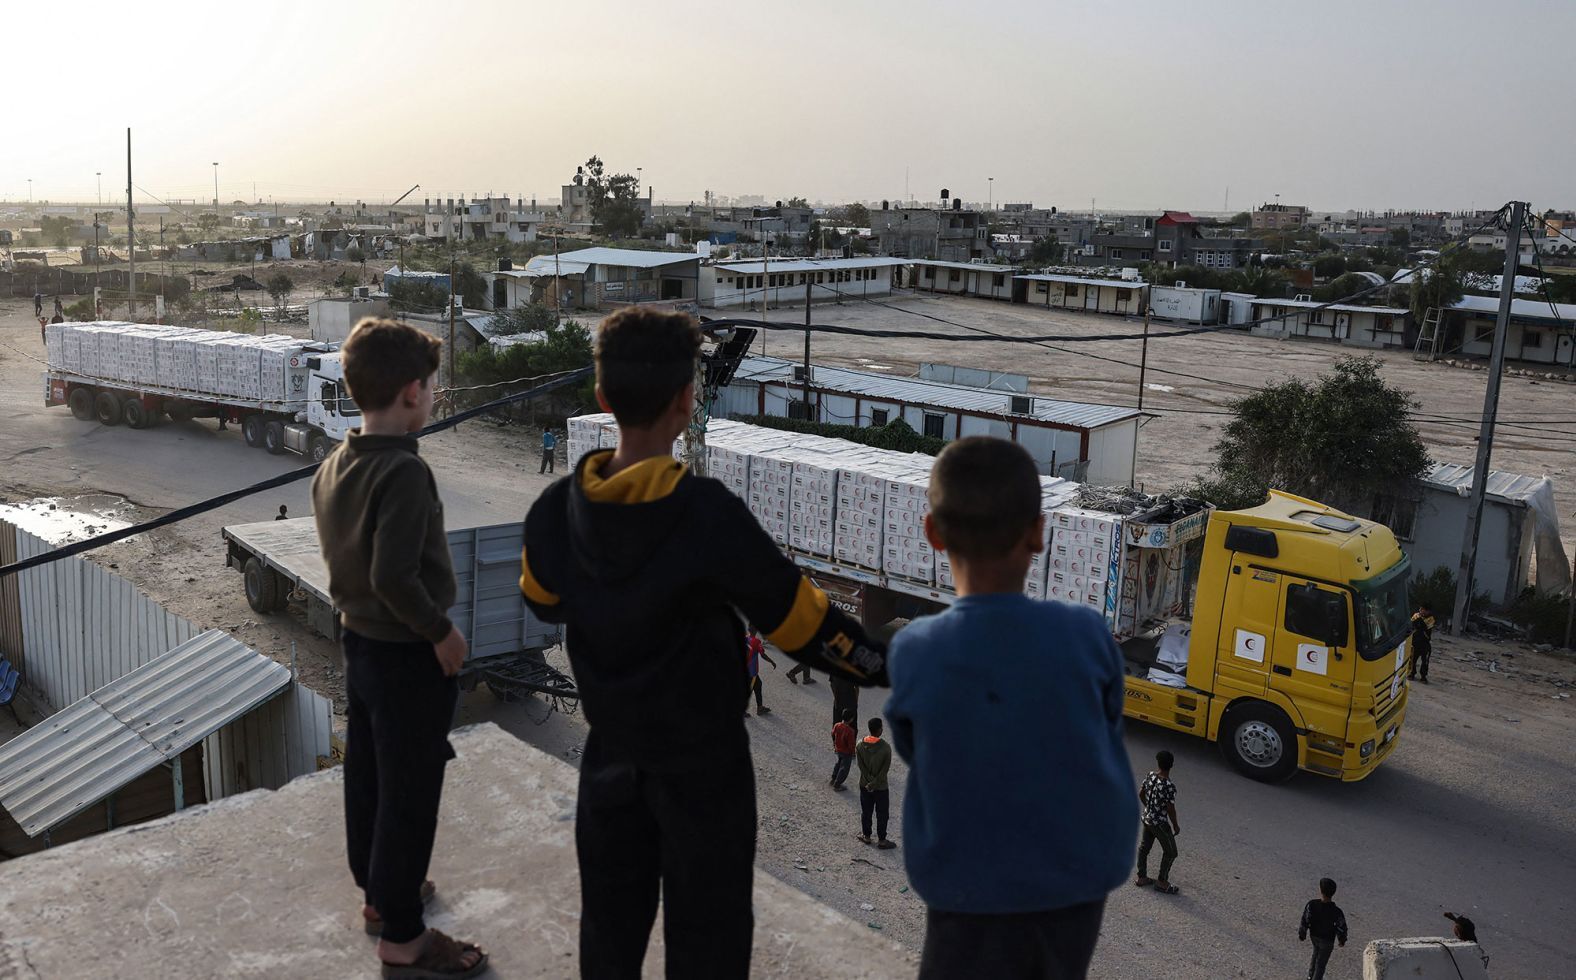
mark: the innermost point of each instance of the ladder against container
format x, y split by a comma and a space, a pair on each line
1430, 335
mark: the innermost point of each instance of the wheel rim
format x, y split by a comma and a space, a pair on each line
1259, 744
319, 451
253, 586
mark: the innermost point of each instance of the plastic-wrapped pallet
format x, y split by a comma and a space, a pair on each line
55, 345
1083, 543
107, 340
1054, 492
812, 508
205, 360
70, 350
281, 376
904, 551
861, 511
771, 483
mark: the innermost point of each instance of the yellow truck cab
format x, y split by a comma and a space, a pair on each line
1295, 656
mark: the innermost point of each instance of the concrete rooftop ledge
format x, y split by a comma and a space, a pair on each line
256, 885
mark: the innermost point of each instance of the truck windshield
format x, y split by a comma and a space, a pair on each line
1383, 612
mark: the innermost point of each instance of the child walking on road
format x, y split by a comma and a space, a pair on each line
1324, 925
650, 567
755, 652
843, 736
1014, 868
1157, 800
380, 524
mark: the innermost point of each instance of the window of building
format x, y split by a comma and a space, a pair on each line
820, 277
1116, 253
1531, 338
878, 416
1165, 246
1071, 290
1042, 287
935, 426
953, 275
1483, 334
998, 280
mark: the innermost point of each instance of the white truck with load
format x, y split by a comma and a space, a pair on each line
281, 562
287, 394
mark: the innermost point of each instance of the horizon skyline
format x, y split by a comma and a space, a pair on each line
1174, 110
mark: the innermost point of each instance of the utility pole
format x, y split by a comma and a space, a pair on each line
1143, 368
1485, 447
809, 281
452, 297
131, 239
100, 175
766, 282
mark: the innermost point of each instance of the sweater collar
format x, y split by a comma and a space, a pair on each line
360, 443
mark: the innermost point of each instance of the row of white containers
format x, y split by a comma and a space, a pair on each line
204, 363
865, 507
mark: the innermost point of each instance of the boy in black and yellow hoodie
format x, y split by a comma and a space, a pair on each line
650, 568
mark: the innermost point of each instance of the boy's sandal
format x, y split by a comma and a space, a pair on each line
885, 845
442, 959
373, 922
1167, 889
1144, 882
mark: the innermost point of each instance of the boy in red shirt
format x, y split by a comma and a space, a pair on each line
843, 745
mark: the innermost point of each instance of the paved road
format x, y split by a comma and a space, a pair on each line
1472, 813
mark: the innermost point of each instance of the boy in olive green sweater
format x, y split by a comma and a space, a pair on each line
380, 527
875, 758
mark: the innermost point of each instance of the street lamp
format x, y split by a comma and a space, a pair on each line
100, 175
30, 190
216, 188
990, 194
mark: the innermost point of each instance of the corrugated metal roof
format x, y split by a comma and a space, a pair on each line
1308, 304
1521, 309
972, 266
94, 746
546, 265
637, 258
934, 394
1457, 478
1080, 280
807, 265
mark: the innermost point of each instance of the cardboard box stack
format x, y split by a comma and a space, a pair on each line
904, 552
1084, 545
861, 512
1054, 493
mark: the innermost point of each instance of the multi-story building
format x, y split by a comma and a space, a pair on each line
482, 218
953, 235
1069, 230
1278, 217
1171, 239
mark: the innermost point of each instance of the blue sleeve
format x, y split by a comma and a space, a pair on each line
900, 725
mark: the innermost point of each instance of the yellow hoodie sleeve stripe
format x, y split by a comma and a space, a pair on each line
531, 588
803, 620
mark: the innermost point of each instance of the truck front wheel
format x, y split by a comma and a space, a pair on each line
81, 403
1260, 742
321, 447
262, 587
106, 405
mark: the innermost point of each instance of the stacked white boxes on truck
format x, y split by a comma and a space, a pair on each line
205, 360
282, 374
1085, 564
107, 341
771, 491
1054, 493
861, 511
812, 508
585, 435
55, 345
905, 553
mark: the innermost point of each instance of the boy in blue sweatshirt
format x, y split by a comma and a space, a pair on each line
1019, 816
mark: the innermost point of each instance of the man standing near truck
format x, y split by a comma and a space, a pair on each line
1422, 641
549, 445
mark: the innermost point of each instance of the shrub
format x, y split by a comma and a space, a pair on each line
896, 434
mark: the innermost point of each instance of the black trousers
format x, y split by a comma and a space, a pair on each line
845, 697
396, 747
688, 836
755, 685
845, 761
878, 801
799, 670
547, 461
1054, 945
1420, 655
1322, 948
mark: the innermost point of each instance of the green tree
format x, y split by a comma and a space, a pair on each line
1440, 286
470, 286
1400, 237
416, 297
1045, 251
1241, 219
344, 282
615, 198
280, 286
354, 254
853, 215
1341, 287
565, 346
1329, 266
1261, 280
56, 228
1344, 439
534, 318
796, 202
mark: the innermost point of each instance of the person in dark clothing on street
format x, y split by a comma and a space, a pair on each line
1157, 802
38, 303
875, 758
800, 670
755, 652
549, 448
845, 700
284, 513
1324, 924
1422, 642
843, 738
650, 568
60, 311
380, 527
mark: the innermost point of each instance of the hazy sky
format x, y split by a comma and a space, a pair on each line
1138, 104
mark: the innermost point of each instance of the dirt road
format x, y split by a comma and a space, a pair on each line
1470, 814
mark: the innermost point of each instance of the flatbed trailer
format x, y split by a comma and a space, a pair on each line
281, 562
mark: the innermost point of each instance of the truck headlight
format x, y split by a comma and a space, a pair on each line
1367, 748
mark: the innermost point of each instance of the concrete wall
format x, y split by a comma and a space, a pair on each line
330, 320
1424, 958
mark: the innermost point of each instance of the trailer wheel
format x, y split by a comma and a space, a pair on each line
81, 402
1260, 742
262, 588
274, 437
252, 430
135, 414
321, 447
106, 405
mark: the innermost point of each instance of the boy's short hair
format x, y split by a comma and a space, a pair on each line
1327, 887
382, 356
645, 357
1164, 758
874, 725
984, 496
848, 715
